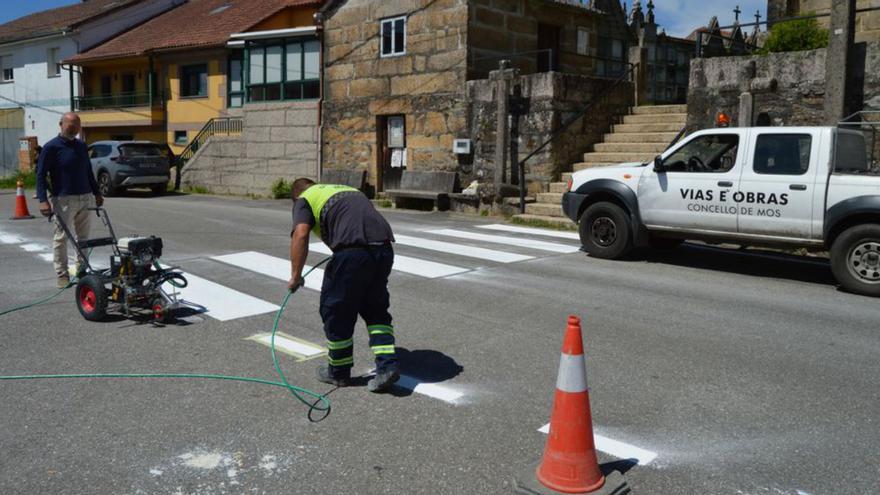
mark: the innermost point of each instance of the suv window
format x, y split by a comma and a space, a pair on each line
715, 153
99, 151
138, 150
782, 154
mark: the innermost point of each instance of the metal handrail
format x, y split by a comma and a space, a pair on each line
117, 100
218, 125
564, 127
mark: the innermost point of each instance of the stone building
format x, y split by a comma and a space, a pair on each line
397, 74
867, 23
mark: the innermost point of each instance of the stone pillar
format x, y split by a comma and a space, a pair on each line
838, 59
503, 78
746, 110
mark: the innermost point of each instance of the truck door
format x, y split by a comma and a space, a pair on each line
777, 187
694, 192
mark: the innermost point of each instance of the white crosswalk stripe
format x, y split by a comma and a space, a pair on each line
532, 231
414, 266
221, 302
271, 266
511, 241
460, 249
10, 239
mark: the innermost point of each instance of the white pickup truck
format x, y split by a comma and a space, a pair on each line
811, 187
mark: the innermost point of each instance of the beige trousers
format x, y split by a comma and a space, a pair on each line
71, 209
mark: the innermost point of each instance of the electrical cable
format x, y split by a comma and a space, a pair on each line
298, 392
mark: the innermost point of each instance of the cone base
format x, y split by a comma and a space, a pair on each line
566, 489
615, 484
23, 217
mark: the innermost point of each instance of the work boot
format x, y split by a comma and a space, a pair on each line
325, 376
383, 381
63, 281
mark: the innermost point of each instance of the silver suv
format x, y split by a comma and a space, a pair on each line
118, 165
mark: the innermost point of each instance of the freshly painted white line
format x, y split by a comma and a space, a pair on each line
533, 231
290, 345
34, 248
271, 266
511, 241
221, 303
50, 257
460, 249
414, 266
10, 239
616, 448
430, 389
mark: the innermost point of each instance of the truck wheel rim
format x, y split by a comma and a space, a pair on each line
604, 231
864, 262
158, 312
87, 299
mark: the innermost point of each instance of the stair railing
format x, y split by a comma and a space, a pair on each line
627, 76
219, 125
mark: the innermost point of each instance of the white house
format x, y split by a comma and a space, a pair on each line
35, 89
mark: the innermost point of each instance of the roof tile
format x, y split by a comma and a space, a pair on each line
56, 20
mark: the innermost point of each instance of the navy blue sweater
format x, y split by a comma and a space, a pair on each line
69, 168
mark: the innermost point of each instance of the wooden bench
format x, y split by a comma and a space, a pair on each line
433, 186
352, 178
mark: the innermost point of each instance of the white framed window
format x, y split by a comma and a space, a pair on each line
583, 41
392, 36
7, 74
53, 63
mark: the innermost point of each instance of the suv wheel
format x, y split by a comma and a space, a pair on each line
105, 184
855, 259
606, 231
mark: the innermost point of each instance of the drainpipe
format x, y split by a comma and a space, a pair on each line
319, 31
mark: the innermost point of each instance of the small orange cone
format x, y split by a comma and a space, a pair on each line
569, 464
21, 209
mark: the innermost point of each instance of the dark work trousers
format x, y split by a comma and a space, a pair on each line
356, 283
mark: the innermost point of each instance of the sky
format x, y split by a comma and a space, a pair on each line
679, 17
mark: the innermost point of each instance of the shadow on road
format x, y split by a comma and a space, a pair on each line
751, 262
425, 366
622, 466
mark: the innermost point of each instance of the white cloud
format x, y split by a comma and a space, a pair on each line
681, 17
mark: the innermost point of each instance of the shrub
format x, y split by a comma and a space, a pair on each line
793, 36
30, 180
281, 189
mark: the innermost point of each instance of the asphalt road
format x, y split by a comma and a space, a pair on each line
733, 373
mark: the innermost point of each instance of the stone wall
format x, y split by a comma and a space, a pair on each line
554, 99
797, 98
426, 84
278, 140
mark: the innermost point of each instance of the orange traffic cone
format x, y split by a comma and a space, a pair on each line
569, 464
21, 209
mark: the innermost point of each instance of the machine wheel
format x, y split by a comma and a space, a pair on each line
159, 189
105, 184
91, 298
161, 312
605, 231
855, 259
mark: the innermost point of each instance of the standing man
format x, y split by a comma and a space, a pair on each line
355, 280
65, 159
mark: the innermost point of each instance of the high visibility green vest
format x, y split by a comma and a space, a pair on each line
318, 195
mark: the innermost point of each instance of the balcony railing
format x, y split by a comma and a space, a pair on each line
119, 100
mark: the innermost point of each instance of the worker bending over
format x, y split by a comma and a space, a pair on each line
355, 279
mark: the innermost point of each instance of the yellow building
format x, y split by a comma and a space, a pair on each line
166, 79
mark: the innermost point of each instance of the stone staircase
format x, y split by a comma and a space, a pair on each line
644, 133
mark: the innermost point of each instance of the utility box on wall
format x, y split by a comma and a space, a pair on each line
27, 153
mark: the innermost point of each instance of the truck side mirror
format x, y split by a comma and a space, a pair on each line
659, 167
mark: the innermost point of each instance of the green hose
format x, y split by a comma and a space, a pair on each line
35, 303
297, 392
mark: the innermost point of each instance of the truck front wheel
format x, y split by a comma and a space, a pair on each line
605, 231
855, 259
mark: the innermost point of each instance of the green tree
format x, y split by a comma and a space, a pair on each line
793, 36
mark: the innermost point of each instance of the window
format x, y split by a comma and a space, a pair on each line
583, 41
53, 64
286, 71
706, 154
6, 65
782, 154
611, 50
235, 78
393, 37
180, 138
99, 151
194, 81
